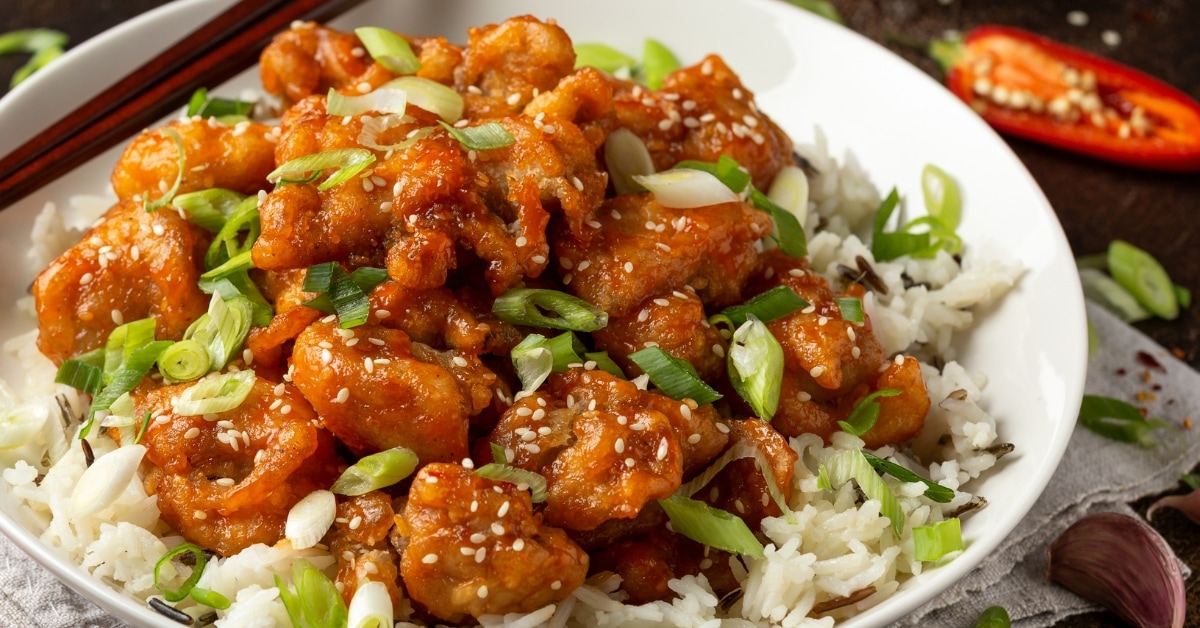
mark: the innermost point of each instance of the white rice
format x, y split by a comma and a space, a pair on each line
833, 548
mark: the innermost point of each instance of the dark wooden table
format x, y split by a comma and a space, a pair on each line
1095, 202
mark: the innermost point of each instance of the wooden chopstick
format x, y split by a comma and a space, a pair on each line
210, 55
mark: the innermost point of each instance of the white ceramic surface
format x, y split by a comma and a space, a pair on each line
805, 71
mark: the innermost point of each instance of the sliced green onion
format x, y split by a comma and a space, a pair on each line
184, 361
775, 303
887, 246
84, 372
142, 428
1120, 421
657, 62
1104, 291
44, 44
382, 100
993, 617
175, 595
431, 96
1139, 273
228, 243
39, 60
789, 190
487, 136
933, 490
602, 57
529, 306
125, 378
1192, 480
209, 208
727, 170
934, 541
768, 473
822, 8
755, 364
389, 49
499, 456
942, 198
675, 377
19, 425
221, 108
941, 236
239, 263
215, 393
126, 339
850, 464
866, 412
686, 188
710, 526
239, 286
310, 518
605, 363
626, 157
371, 606
211, 599
514, 475
313, 601
182, 164
348, 161
373, 127
343, 293
852, 309
1096, 261
1183, 296
537, 356
221, 331
376, 471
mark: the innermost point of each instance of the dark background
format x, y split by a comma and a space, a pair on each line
1096, 202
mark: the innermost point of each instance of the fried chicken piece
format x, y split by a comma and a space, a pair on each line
505, 65
229, 482
702, 112
309, 59
647, 563
461, 320
517, 564
740, 487
359, 543
605, 447
375, 396
640, 249
216, 155
676, 323
585, 98
129, 266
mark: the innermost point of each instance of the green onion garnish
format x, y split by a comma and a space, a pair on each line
499, 456
514, 475
1104, 291
376, 471
710, 526
626, 156
229, 242
312, 601
603, 57
431, 96
1139, 273
675, 377
933, 490
222, 331
175, 595
128, 354
993, 617
755, 364
1183, 296
182, 163
944, 208
44, 44
383, 100
211, 599
1192, 480
126, 339
1120, 421
852, 309
537, 356
686, 188
389, 49
226, 110
342, 293
348, 161
850, 464
529, 306
215, 393
942, 199
184, 361
483, 137
866, 412
934, 541
142, 428
789, 190
209, 208
657, 62
84, 372
726, 170
775, 303
605, 363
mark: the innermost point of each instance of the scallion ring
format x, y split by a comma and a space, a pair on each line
182, 166
314, 600
933, 490
431, 96
201, 559
932, 542
789, 190
209, 208
626, 156
603, 57
184, 361
1138, 272
942, 198
524, 479
211, 599
851, 309
712, 527
657, 62
767, 306
389, 49
850, 464
755, 364
382, 100
488, 136
686, 188
215, 393
675, 377
548, 308
376, 471
348, 161
866, 412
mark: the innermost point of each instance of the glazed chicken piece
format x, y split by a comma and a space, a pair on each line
373, 391
359, 543
676, 323
740, 487
461, 320
647, 563
475, 547
237, 158
605, 447
639, 249
505, 65
309, 59
702, 112
129, 266
831, 363
227, 481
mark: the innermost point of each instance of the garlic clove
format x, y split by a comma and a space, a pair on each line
1122, 563
1188, 504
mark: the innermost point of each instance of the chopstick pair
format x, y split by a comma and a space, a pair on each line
212, 54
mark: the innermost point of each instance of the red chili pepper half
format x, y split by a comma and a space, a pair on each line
1029, 86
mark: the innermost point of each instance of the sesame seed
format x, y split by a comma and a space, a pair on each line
430, 559
664, 246
649, 343
595, 224
662, 302
285, 409
466, 551
512, 99
376, 341
628, 267
629, 462
483, 592
459, 361
225, 482
638, 427
478, 538
1077, 18
192, 433
556, 585
498, 529
474, 505
621, 419
577, 183
538, 259
643, 315
524, 411
803, 396
480, 554
342, 396
326, 357
533, 448
721, 427
899, 359
117, 317
158, 230
135, 252
693, 439
85, 279
199, 514
817, 371
368, 365
851, 335
545, 431
502, 511
615, 214
822, 320
685, 411
226, 424
567, 279
665, 125
529, 436
474, 89
809, 310
619, 446
275, 404
382, 313
855, 352
355, 522
1111, 38
663, 449
433, 479
718, 350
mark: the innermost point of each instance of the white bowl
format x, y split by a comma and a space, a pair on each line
805, 71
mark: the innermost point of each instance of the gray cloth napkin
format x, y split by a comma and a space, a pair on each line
1095, 474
